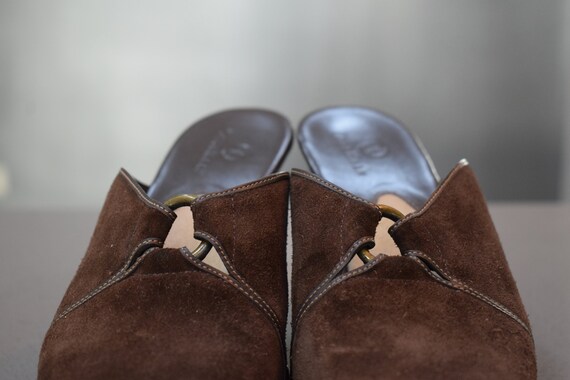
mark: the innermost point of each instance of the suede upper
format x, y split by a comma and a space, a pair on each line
251, 226
136, 310
327, 222
447, 308
456, 234
127, 220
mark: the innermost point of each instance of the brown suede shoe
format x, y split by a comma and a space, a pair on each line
445, 306
139, 310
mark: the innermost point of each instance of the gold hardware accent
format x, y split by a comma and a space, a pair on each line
389, 212
183, 200
365, 256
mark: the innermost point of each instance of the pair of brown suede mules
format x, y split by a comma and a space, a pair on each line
147, 303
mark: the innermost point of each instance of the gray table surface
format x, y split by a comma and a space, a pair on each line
40, 252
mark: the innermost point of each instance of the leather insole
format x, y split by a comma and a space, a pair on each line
367, 153
222, 151
371, 155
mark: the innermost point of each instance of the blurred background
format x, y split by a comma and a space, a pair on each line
87, 87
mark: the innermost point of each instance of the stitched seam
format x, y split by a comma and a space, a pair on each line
273, 178
133, 253
341, 235
122, 273
234, 215
495, 304
341, 264
334, 271
459, 285
437, 246
433, 197
421, 254
330, 186
97, 289
340, 279
227, 279
233, 271
193, 270
430, 272
147, 200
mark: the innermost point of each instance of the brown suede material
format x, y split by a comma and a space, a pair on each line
127, 218
161, 313
396, 318
326, 221
455, 230
250, 223
182, 325
395, 322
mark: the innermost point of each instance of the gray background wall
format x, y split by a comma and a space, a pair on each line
89, 86
566, 71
